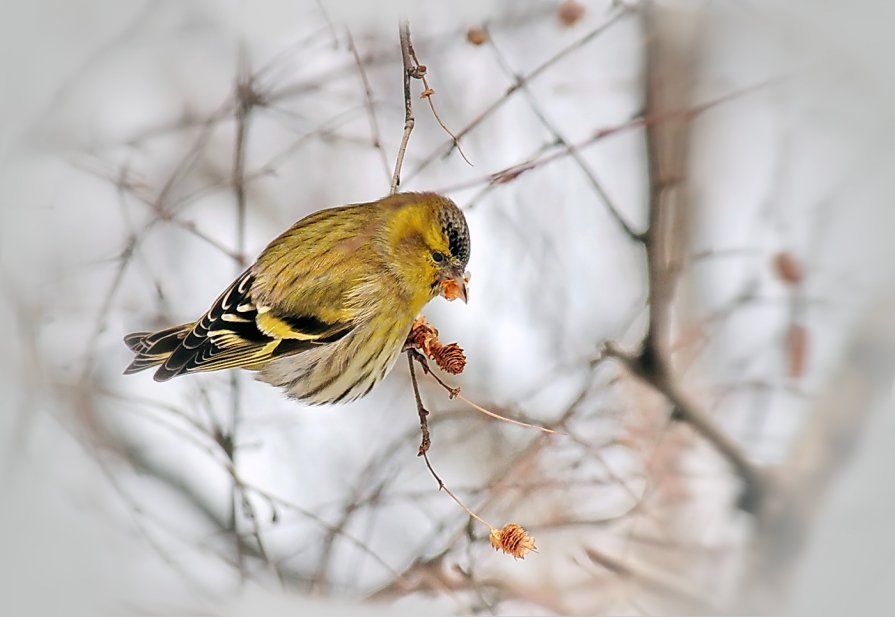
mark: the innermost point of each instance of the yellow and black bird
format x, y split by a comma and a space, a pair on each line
325, 310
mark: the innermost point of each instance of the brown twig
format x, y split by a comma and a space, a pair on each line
454, 392
427, 94
447, 148
512, 538
409, 120
426, 441
497, 416
413, 68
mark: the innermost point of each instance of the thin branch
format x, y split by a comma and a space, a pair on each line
508, 174
442, 487
427, 94
426, 441
454, 393
274, 499
447, 148
497, 416
409, 120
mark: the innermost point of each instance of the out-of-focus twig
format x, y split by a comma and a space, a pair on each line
509, 174
666, 144
562, 141
369, 105
664, 586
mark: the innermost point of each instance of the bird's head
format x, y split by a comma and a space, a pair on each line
430, 240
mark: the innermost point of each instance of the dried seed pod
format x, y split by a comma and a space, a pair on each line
513, 540
449, 358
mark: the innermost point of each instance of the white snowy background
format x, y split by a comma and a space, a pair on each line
115, 496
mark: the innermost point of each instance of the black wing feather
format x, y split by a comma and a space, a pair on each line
227, 335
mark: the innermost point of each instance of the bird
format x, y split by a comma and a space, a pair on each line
325, 310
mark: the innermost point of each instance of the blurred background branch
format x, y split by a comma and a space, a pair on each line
692, 190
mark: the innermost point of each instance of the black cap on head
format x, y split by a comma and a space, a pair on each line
453, 225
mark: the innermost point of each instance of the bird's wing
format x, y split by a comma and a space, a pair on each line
301, 293
235, 332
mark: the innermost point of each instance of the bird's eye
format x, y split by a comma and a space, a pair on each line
438, 256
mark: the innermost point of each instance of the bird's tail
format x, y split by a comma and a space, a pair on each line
153, 348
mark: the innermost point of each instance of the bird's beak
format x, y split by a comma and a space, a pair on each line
453, 285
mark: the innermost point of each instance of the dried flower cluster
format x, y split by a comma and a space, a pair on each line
513, 540
449, 358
